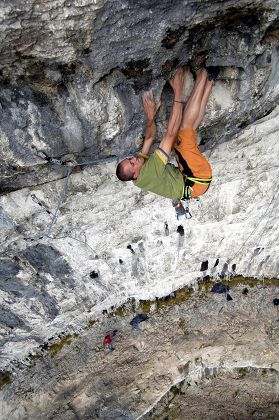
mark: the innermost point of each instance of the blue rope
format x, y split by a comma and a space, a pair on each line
62, 195
60, 201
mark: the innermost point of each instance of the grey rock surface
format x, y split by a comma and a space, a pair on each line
5, 221
72, 73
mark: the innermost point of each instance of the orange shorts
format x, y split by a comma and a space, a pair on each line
190, 160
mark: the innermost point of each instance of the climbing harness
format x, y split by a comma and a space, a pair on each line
185, 201
189, 182
188, 214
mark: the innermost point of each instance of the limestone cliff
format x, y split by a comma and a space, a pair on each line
75, 248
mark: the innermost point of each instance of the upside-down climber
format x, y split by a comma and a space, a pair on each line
153, 173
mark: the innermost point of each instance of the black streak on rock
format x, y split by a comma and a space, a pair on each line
47, 259
216, 263
19, 289
180, 230
204, 265
44, 346
8, 269
130, 248
11, 320
93, 274
167, 232
224, 271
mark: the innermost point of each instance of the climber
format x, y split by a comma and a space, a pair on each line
153, 173
108, 340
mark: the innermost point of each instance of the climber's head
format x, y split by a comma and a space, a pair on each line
129, 169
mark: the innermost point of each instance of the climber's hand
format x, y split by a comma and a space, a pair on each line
177, 82
150, 106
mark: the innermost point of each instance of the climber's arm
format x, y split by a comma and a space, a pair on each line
150, 109
172, 129
149, 136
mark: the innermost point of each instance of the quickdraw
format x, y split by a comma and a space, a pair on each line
188, 214
186, 200
42, 204
67, 160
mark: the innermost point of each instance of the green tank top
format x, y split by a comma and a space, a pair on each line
160, 177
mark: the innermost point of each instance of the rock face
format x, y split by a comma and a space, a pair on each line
110, 241
72, 73
73, 249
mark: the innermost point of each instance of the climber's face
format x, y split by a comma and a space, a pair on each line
133, 166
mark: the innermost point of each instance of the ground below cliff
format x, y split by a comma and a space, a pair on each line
198, 355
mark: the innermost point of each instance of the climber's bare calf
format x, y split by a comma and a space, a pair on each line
195, 109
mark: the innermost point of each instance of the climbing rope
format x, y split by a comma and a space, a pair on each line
71, 165
60, 201
71, 237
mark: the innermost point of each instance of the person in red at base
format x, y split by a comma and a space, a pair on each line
108, 340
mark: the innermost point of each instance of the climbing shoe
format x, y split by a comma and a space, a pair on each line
213, 72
